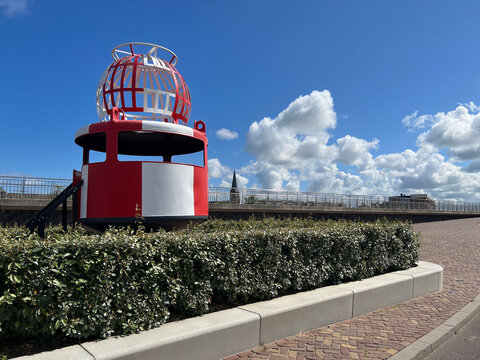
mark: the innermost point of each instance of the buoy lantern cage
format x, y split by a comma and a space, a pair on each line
144, 105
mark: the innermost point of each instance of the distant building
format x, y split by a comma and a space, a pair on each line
412, 201
234, 192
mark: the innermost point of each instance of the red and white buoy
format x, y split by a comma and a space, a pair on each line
144, 105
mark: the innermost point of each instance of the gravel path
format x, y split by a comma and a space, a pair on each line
454, 244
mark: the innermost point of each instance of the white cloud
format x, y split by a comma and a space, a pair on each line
309, 114
292, 151
471, 106
242, 181
270, 176
395, 161
458, 131
426, 169
355, 151
226, 134
425, 172
413, 121
323, 178
297, 134
293, 148
216, 169
12, 8
273, 178
266, 142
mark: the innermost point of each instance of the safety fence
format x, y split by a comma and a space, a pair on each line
15, 187
283, 198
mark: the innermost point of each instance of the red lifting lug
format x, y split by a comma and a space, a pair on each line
115, 115
199, 125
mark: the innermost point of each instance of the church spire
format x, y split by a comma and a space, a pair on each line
234, 192
234, 181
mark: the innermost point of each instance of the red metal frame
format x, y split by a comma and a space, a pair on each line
115, 187
171, 79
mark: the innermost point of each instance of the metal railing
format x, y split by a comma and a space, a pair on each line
283, 198
14, 187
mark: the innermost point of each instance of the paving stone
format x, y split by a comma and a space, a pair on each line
376, 335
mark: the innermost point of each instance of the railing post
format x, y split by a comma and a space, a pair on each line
74, 208
64, 215
41, 228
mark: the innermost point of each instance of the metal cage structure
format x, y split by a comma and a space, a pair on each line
144, 86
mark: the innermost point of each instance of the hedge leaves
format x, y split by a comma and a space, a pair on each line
78, 285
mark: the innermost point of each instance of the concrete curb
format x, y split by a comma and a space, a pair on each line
429, 342
223, 333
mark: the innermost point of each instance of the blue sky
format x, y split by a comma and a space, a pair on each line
362, 97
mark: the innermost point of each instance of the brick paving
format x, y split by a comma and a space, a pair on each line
454, 244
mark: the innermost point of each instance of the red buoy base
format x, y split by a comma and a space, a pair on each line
152, 223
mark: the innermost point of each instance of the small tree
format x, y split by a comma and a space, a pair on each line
56, 190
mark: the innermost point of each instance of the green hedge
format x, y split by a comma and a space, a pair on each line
78, 285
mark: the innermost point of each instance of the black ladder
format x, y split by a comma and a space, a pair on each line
38, 221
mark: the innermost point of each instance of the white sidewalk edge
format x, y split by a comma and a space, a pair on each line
223, 333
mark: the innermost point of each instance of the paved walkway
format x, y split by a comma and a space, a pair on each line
463, 345
454, 244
